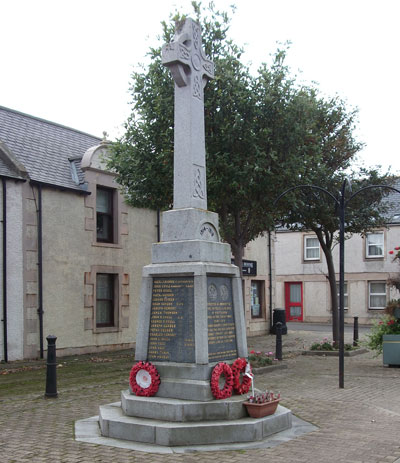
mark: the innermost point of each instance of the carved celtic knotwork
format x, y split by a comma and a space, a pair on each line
196, 36
184, 53
198, 190
196, 88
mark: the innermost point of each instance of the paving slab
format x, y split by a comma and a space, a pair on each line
359, 423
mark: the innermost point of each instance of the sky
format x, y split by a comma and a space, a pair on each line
71, 61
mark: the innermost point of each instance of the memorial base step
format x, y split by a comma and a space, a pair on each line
115, 424
167, 409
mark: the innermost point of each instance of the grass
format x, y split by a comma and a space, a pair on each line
22, 378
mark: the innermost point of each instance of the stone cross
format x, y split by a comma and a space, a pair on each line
191, 70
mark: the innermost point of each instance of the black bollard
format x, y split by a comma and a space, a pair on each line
278, 349
51, 376
355, 332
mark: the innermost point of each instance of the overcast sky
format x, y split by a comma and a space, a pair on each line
70, 61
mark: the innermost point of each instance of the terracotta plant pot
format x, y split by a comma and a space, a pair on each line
260, 410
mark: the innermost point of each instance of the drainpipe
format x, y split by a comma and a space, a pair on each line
270, 279
40, 270
5, 334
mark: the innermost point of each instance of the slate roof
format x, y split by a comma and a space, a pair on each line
394, 204
47, 150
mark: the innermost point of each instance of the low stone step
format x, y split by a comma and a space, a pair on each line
161, 408
114, 423
185, 389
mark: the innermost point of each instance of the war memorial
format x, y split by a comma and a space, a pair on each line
191, 314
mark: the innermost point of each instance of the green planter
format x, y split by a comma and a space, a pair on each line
391, 349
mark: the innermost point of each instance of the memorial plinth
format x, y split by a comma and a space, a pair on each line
191, 307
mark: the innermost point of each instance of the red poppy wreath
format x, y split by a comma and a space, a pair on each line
238, 367
221, 369
144, 379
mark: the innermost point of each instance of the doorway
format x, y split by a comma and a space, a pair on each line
294, 301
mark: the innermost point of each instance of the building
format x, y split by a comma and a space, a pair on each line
301, 273
72, 250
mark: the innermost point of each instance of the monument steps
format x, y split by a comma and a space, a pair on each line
115, 424
162, 408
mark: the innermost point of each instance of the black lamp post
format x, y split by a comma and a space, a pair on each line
342, 204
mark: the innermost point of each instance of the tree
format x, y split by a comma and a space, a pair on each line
313, 209
264, 133
256, 132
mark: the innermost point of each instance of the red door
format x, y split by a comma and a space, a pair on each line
294, 302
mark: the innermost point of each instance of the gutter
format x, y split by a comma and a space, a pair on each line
5, 333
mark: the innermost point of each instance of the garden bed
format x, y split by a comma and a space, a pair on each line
335, 353
269, 368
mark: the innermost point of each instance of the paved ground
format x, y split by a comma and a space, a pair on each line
360, 423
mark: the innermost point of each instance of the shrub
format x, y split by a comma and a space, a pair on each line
386, 325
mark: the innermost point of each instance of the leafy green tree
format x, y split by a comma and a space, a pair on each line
263, 132
255, 134
314, 210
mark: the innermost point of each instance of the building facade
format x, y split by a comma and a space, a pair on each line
72, 250
302, 288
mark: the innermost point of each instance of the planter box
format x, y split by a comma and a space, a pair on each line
391, 349
260, 410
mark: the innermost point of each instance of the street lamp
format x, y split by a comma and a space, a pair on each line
342, 204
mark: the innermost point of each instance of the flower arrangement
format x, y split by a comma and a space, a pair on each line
222, 373
395, 253
395, 282
264, 397
385, 325
242, 376
144, 379
326, 345
261, 359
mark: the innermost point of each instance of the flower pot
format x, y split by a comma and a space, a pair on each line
260, 410
391, 349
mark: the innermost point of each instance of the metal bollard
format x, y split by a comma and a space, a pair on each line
51, 374
355, 332
278, 349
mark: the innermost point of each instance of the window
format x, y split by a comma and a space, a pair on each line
257, 299
346, 296
374, 245
105, 299
377, 294
104, 215
311, 248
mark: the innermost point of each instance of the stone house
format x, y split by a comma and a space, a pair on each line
72, 250
301, 273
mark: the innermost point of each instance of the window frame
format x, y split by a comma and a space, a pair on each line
370, 307
110, 215
305, 247
261, 287
367, 245
113, 281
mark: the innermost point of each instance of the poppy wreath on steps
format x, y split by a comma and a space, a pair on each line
221, 369
144, 379
238, 367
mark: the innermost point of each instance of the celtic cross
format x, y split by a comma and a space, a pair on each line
191, 70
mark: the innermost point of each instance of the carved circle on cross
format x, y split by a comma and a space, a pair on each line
196, 61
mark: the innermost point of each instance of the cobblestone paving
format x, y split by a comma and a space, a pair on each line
357, 424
